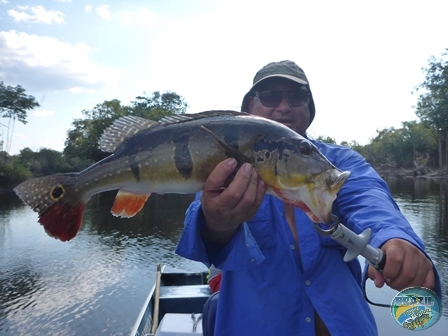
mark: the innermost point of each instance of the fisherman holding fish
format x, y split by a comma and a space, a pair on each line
280, 277
264, 187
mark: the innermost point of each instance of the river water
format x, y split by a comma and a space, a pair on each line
97, 283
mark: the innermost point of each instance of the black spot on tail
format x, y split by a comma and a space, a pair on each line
57, 192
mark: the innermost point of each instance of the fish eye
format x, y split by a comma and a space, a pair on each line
306, 148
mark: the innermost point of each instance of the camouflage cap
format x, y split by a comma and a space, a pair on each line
285, 69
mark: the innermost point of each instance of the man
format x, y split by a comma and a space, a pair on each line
280, 277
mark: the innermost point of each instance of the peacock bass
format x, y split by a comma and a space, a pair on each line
176, 155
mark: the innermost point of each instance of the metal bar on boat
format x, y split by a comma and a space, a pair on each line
155, 318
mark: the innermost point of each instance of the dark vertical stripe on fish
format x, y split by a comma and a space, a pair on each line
135, 170
182, 155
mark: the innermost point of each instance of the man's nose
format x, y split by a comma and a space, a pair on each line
284, 105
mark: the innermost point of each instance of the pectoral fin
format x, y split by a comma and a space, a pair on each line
128, 204
230, 151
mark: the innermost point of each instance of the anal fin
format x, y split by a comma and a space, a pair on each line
128, 204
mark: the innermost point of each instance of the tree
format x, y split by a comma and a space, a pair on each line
432, 104
326, 139
13, 172
82, 139
44, 162
423, 140
391, 147
158, 105
14, 104
81, 146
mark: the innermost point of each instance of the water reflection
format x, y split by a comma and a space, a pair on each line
96, 283
424, 203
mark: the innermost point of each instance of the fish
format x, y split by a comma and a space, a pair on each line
176, 155
416, 322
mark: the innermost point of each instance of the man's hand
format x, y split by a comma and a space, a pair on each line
406, 266
226, 208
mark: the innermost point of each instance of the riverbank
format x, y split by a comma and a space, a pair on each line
421, 172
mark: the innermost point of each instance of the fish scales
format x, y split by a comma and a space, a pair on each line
176, 155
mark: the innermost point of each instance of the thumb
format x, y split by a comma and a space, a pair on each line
376, 276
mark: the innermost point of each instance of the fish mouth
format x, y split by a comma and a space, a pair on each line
320, 207
315, 199
338, 180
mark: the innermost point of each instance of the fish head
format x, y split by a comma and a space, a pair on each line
298, 173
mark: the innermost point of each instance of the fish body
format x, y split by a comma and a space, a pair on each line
176, 155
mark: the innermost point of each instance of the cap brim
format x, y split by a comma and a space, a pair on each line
293, 78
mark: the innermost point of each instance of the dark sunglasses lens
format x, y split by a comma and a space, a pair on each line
298, 98
271, 98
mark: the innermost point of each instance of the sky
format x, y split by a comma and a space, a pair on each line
363, 59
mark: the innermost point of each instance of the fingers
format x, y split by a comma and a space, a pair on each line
376, 276
225, 208
217, 178
429, 280
246, 195
406, 266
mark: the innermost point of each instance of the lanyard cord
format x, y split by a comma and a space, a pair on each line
367, 299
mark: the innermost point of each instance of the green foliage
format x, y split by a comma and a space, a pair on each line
326, 139
158, 105
82, 139
14, 103
422, 137
432, 105
390, 147
45, 162
81, 145
404, 147
12, 171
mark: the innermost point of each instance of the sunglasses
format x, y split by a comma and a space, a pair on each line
272, 98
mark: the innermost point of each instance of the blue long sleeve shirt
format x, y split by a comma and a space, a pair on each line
271, 286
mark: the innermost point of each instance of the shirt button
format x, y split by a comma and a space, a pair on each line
308, 319
292, 247
252, 260
307, 282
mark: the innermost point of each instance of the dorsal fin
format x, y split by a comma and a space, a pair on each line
125, 127
178, 118
121, 129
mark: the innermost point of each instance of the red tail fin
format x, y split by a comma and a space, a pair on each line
62, 221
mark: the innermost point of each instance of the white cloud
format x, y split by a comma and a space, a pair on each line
20, 136
36, 14
4, 2
42, 63
88, 8
103, 11
144, 17
63, 0
43, 113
